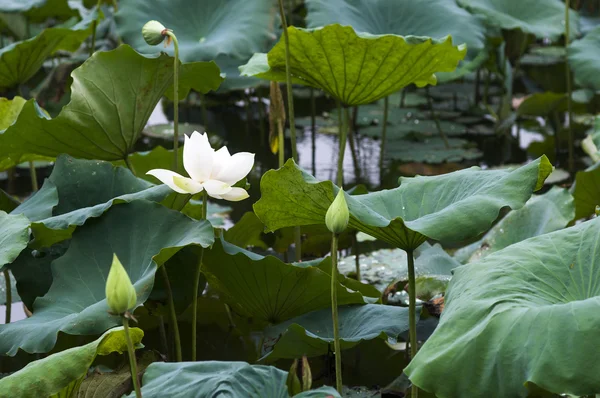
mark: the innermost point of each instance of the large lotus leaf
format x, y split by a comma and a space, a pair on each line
19, 61
39, 10
523, 316
448, 207
540, 215
143, 235
78, 190
586, 192
14, 236
428, 18
356, 68
312, 334
543, 19
270, 290
50, 375
204, 28
584, 59
219, 379
112, 96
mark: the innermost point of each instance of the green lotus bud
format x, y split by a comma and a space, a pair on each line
120, 293
338, 215
153, 32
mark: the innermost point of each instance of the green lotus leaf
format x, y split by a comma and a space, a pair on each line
214, 378
449, 207
19, 61
586, 192
510, 316
76, 302
312, 334
543, 19
15, 297
431, 150
436, 18
233, 80
112, 96
51, 375
14, 236
540, 215
584, 59
38, 10
270, 290
7, 202
356, 68
542, 104
78, 190
204, 29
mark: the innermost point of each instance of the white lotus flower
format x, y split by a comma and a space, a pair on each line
210, 170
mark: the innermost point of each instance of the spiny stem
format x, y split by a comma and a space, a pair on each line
343, 133
8, 296
386, 101
569, 92
288, 78
33, 176
172, 314
175, 98
132, 360
197, 282
334, 314
412, 319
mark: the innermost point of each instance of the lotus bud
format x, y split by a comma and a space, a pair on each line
153, 32
338, 215
120, 293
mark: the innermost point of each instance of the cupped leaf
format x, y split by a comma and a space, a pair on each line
142, 234
509, 317
428, 18
78, 190
112, 96
270, 290
356, 68
540, 215
52, 374
584, 59
213, 378
19, 61
205, 29
449, 207
14, 236
312, 334
543, 19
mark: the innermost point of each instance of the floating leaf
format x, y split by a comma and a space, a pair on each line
448, 207
356, 68
204, 29
510, 316
48, 376
543, 19
112, 96
584, 59
431, 150
540, 215
213, 378
270, 290
312, 334
76, 302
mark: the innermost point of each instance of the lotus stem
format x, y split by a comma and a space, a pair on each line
163, 336
356, 257
197, 282
172, 314
569, 92
129, 164
280, 143
33, 176
204, 111
261, 121
8, 313
334, 314
343, 133
386, 101
288, 78
436, 120
132, 360
412, 319
93, 43
313, 130
353, 146
175, 98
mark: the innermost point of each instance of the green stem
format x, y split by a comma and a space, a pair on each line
313, 129
412, 319
163, 336
281, 143
204, 111
129, 165
383, 136
569, 93
261, 121
172, 314
93, 44
334, 314
197, 282
175, 99
8, 296
132, 360
343, 126
356, 257
436, 120
33, 176
353, 145
288, 78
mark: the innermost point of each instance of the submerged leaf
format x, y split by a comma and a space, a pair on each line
356, 68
